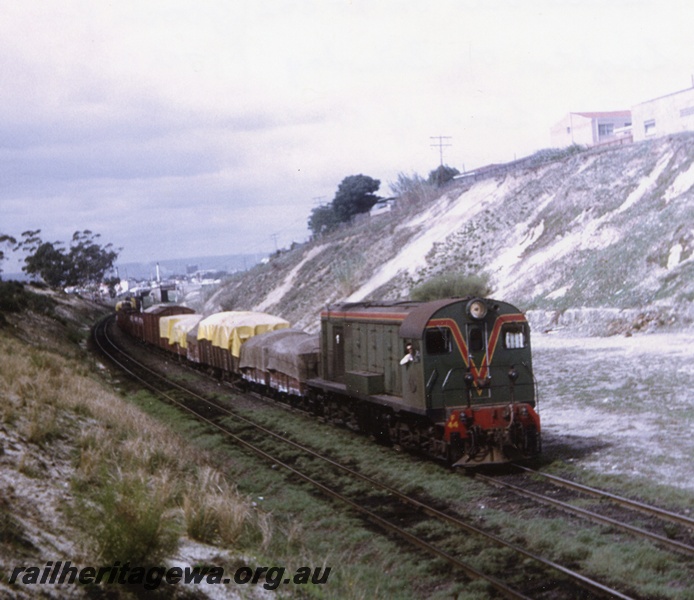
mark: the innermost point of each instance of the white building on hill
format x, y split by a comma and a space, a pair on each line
591, 129
665, 115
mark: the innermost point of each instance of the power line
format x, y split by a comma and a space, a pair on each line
440, 144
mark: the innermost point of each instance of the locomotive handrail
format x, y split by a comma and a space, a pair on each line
448, 375
432, 380
535, 385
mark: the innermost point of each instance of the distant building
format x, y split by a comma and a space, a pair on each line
665, 115
384, 205
592, 129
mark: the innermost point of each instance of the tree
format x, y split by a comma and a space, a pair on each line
49, 262
442, 175
5, 239
84, 265
355, 195
323, 220
89, 262
45, 259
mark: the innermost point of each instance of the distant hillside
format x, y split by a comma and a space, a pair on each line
609, 229
180, 266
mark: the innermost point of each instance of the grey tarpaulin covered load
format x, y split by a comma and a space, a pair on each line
291, 352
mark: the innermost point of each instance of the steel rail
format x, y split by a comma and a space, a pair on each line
673, 544
633, 504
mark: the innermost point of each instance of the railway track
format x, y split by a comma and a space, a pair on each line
673, 525
382, 505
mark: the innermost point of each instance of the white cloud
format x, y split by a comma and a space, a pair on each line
248, 111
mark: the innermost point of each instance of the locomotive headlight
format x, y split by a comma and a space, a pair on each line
477, 309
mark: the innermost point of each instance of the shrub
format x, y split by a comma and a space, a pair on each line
454, 285
15, 298
10, 296
413, 190
128, 520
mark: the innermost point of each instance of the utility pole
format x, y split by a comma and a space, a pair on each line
440, 144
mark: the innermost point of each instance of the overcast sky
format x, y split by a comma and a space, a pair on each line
179, 128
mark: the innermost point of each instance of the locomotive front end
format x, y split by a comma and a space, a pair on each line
478, 381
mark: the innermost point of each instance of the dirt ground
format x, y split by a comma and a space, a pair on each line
620, 405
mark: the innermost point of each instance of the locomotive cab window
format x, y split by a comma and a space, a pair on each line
515, 336
438, 341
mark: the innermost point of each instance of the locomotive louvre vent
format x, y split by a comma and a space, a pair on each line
514, 337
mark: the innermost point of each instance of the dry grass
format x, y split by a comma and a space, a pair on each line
215, 513
135, 487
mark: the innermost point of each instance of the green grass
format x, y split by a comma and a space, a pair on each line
651, 572
312, 530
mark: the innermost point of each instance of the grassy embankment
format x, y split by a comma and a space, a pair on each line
119, 484
137, 481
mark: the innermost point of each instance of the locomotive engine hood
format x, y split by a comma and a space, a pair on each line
415, 324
